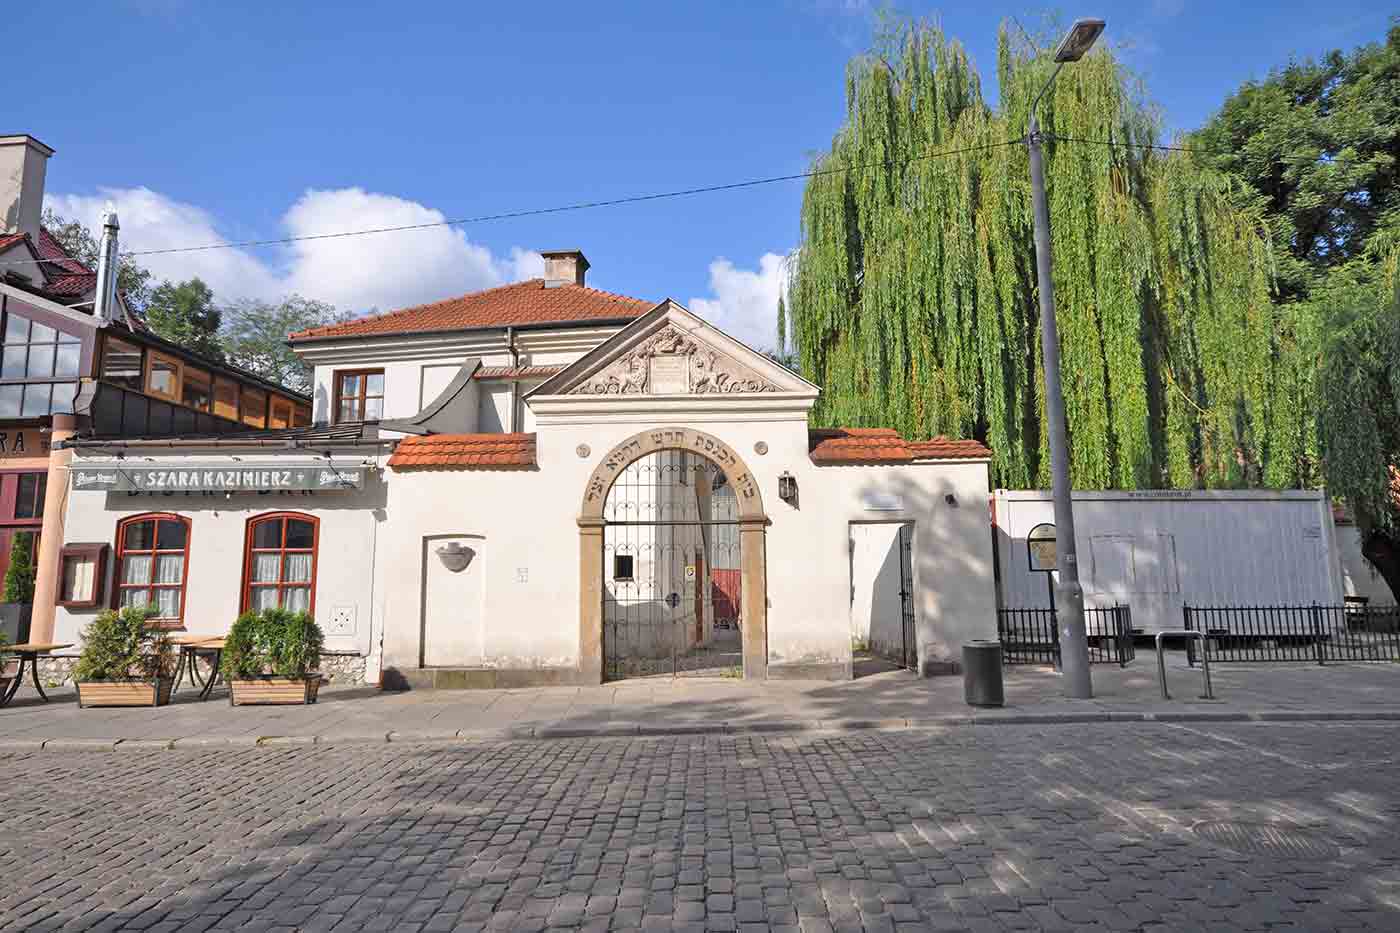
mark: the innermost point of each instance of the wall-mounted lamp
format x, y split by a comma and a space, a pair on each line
455, 557
787, 487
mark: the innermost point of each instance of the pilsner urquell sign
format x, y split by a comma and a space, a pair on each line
228, 476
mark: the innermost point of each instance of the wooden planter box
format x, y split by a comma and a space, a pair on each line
125, 692
274, 690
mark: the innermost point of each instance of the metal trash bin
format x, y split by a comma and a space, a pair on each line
982, 681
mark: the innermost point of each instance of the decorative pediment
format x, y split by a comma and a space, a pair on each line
672, 362
670, 351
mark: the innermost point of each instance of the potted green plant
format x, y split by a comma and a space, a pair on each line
18, 600
271, 657
125, 661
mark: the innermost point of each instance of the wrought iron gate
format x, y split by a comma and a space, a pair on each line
910, 657
671, 571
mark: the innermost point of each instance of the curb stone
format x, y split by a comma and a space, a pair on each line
144, 745
214, 741
613, 730
80, 744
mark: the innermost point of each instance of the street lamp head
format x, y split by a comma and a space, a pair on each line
1080, 38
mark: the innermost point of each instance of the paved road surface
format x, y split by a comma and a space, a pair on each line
1067, 827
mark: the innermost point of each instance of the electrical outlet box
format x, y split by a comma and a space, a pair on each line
341, 621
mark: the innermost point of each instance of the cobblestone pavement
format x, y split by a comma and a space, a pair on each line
1071, 827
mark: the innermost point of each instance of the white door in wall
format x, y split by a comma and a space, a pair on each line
878, 588
453, 570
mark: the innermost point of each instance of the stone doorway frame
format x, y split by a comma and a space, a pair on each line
753, 550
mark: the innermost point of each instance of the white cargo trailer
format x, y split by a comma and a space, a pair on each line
1157, 550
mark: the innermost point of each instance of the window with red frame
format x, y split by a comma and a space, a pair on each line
280, 566
153, 565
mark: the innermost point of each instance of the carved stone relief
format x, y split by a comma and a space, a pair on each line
708, 371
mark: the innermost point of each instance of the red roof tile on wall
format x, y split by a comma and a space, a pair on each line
527, 302
828, 446
517, 372
942, 448
464, 451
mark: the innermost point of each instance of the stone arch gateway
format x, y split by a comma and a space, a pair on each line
751, 520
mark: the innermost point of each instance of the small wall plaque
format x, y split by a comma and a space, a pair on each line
583, 450
760, 448
670, 375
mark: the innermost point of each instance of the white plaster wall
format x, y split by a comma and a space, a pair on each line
494, 406
350, 547
1359, 578
454, 604
434, 378
529, 520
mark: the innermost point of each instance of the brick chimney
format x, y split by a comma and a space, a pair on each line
23, 162
564, 267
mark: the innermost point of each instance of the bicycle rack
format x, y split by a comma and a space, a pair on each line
1205, 660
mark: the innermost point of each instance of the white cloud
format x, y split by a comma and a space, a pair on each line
745, 302
384, 271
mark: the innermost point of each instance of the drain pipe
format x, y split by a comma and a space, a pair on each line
514, 380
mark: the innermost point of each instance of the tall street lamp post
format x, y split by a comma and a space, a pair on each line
1074, 642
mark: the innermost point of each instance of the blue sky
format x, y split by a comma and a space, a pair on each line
207, 121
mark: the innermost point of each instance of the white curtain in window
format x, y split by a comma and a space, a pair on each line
264, 597
265, 568
136, 568
297, 598
135, 597
170, 568
298, 569
168, 602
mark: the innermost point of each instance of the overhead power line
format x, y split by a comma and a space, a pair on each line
1127, 145
558, 209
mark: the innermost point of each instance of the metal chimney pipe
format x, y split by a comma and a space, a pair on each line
105, 301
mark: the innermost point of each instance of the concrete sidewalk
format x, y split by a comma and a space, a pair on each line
889, 699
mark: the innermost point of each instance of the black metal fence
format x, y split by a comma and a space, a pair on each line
1319, 634
1030, 636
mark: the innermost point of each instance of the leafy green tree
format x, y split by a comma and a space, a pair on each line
1358, 318
913, 297
186, 314
78, 240
1319, 140
255, 337
782, 326
19, 578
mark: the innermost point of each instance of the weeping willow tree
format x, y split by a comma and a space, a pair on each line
913, 302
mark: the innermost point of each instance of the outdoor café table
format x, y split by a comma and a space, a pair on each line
28, 654
190, 647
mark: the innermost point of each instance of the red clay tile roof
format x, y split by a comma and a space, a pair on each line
943, 448
464, 450
884, 445
10, 239
516, 372
50, 248
527, 302
71, 286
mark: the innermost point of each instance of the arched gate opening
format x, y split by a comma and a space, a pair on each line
672, 570
693, 509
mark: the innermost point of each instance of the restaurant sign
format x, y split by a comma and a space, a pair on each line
228, 476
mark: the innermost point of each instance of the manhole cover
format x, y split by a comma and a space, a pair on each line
1267, 839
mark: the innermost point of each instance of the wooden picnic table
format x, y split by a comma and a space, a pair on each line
190, 647
28, 654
